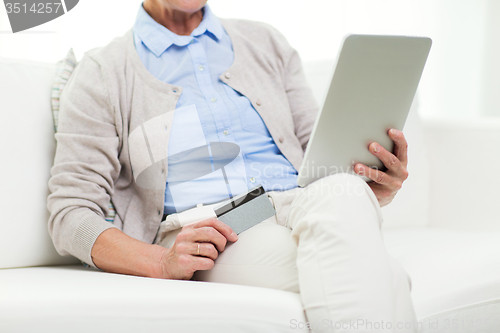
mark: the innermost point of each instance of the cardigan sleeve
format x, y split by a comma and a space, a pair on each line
86, 163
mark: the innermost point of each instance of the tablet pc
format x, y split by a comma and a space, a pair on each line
371, 91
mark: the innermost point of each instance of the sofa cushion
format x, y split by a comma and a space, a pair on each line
77, 299
455, 277
27, 149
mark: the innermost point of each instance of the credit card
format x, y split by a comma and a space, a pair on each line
239, 200
249, 214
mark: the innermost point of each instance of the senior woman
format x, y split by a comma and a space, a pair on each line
200, 79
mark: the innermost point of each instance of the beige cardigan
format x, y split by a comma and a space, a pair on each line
111, 93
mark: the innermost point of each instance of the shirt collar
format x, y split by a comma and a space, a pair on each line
158, 38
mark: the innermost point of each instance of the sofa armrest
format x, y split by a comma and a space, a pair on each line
464, 156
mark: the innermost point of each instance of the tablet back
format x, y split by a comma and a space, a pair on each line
371, 91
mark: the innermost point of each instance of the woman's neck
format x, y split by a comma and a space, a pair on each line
179, 22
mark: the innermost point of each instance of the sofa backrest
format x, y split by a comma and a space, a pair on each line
27, 148
464, 184
410, 208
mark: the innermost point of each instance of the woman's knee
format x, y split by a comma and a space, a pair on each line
336, 185
339, 197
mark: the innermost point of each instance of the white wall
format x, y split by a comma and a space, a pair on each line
460, 79
91, 23
490, 64
454, 72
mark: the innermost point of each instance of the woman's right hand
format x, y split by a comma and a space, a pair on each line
195, 249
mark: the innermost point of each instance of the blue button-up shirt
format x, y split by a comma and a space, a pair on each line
208, 111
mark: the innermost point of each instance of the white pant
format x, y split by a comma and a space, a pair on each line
325, 242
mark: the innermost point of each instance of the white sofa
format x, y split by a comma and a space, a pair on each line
443, 227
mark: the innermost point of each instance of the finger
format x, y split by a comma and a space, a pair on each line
391, 162
204, 250
377, 176
223, 228
208, 235
400, 145
202, 263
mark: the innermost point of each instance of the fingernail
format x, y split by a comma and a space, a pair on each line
394, 132
376, 148
234, 235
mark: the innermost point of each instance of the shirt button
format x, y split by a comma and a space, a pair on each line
162, 170
252, 180
174, 91
226, 132
200, 67
258, 102
213, 100
228, 75
281, 139
166, 127
159, 212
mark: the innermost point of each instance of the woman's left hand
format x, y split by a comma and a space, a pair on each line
386, 184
